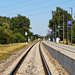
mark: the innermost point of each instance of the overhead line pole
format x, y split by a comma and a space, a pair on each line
71, 26
55, 32
67, 35
63, 28
59, 29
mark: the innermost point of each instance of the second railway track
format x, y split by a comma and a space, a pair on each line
32, 63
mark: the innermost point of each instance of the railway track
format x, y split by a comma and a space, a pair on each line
32, 63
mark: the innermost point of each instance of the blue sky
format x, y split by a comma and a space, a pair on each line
38, 11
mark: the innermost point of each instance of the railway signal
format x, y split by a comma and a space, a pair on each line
26, 38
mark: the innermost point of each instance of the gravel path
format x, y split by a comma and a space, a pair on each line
32, 64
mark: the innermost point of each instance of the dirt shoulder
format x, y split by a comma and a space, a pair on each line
4, 64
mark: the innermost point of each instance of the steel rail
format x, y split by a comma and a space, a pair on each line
17, 65
44, 62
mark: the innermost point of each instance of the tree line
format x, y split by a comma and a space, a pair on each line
12, 30
57, 19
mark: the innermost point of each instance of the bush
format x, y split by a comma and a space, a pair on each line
19, 37
6, 36
2, 36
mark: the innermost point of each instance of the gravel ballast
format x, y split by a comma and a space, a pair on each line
4, 64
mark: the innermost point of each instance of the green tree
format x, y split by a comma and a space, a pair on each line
2, 36
57, 17
19, 37
73, 32
19, 22
13, 29
36, 36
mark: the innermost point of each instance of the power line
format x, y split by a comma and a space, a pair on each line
25, 6
43, 7
15, 4
44, 12
39, 13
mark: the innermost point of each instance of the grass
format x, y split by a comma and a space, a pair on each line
69, 43
5, 49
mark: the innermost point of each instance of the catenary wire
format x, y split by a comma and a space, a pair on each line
25, 6
42, 7
15, 4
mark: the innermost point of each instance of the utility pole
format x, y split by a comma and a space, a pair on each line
10, 47
71, 26
59, 28
67, 35
63, 28
55, 32
74, 17
53, 28
59, 23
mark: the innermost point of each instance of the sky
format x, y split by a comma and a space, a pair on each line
38, 11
